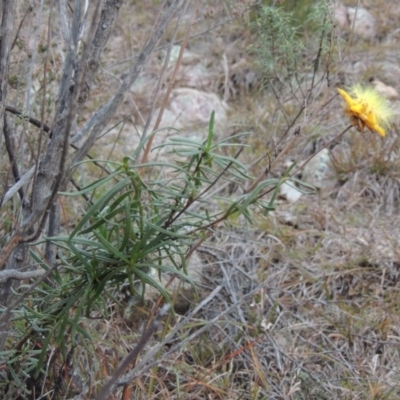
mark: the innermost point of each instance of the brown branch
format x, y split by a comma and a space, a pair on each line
8, 140
109, 15
10, 247
264, 174
31, 120
6, 29
98, 122
46, 128
7, 274
170, 85
132, 356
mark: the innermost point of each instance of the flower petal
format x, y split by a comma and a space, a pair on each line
365, 105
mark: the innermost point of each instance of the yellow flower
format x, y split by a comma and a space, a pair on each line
367, 108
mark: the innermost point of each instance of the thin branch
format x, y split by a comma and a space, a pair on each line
25, 179
31, 120
97, 123
264, 174
150, 359
109, 14
28, 175
132, 356
6, 31
7, 274
28, 10
326, 145
171, 83
8, 140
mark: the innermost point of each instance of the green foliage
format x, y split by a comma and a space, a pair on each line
141, 222
278, 44
284, 32
299, 9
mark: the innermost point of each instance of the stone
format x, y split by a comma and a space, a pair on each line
359, 19
362, 22
191, 107
194, 76
318, 171
341, 18
387, 91
289, 192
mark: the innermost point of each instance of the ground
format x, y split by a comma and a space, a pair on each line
302, 301
308, 305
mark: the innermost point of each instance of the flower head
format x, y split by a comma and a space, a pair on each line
367, 108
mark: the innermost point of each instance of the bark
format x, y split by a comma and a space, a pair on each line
6, 36
51, 174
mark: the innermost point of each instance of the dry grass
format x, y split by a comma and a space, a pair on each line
323, 319
304, 311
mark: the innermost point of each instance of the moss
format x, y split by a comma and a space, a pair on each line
13, 81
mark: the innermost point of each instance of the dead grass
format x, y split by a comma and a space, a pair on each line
305, 311
322, 318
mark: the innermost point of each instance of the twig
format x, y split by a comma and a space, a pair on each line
28, 10
149, 360
98, 122
8, 140
6, 29
7, 274
309, 159
16, 187
171, 84
143, 136
280, 155
31, 120
323, 147
46, 128
131, 357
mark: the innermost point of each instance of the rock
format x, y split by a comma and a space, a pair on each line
390, 69
362, 21
387, 91
187, 57
341, 16
192, 72
190, 107
318, 171
357, 18
289, 192
194, 76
